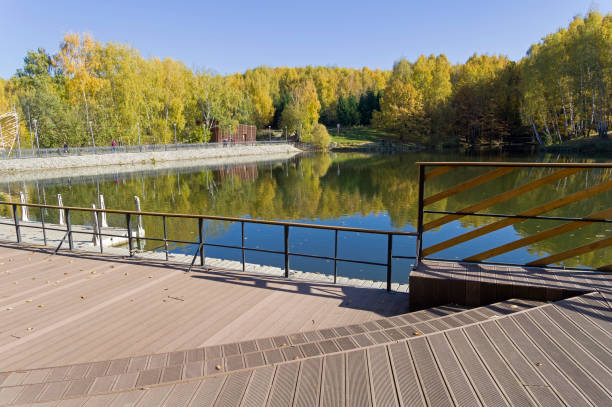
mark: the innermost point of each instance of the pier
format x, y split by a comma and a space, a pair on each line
116, 328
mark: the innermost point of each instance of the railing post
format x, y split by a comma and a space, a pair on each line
242, 246
419, 242
24, 209
69, 230
16, 217
286, 227
335, 256
128, 221
62, 214
42, 220
97, 233
389, 259
201, 233
165, 237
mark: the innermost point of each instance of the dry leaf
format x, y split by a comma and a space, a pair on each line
417, 333
10, 308
33, 278
41, 306
538, 363
93, 272
514, 306
218, 367
112, 266
28, 300
83, 297
283, 345
71, 261
296, 357
150, 276
30, 329
67, 273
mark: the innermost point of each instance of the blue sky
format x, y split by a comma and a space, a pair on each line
229, 36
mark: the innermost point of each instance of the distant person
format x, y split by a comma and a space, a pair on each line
114, 145
65, 146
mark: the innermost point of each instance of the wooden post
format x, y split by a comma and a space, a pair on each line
103, 222
24, 209
61, 211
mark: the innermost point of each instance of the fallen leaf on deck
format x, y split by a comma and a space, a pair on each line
28, 300
417, 333
30, 329
218, 367
83, 297
41, 306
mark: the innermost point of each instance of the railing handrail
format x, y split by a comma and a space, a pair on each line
510, 164
563, 170
214, 217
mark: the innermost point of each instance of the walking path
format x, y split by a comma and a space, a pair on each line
145, 160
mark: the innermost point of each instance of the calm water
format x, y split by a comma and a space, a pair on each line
348, 189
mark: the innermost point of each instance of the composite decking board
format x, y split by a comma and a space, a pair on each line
125, 381
102, 385
583, 323
95, 401
29, 393
333, 381
42, 346
8, 394
433, 385
545, 396
505, 378
258, 388
481, 380
515, 360
308, 386
208, 391
409, 391
580, 336
154, 396
357, 379
254, 359
458, 385
579, 366
283, 385
557, 379
96, 348
233, 389
181, 394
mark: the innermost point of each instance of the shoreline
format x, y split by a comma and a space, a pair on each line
143, 160
77, 172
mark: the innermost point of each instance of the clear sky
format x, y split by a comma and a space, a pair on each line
231, 36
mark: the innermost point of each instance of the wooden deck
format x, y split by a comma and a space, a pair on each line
547, 342
72, 308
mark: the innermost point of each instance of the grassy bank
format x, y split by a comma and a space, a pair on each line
359, 135
587, 145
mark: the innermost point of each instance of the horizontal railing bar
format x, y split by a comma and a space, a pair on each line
510, 164
404, 257
496, 215
214, 217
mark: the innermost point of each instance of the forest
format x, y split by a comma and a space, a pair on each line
560, 91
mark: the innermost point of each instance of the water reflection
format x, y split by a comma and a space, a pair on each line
360, 190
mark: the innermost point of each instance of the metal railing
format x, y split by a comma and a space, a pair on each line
96, 232
559, 172
100, 150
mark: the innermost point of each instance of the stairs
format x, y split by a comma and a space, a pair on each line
253, 359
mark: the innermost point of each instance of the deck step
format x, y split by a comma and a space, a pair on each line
180, 366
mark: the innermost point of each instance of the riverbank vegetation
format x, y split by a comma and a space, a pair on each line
560, 91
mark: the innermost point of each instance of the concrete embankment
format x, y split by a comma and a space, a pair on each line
143, 160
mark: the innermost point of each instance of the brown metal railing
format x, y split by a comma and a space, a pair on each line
560, 171
201, 243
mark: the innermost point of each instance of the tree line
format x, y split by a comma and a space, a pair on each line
561, 90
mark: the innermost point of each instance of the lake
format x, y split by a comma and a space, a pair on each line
377, 191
